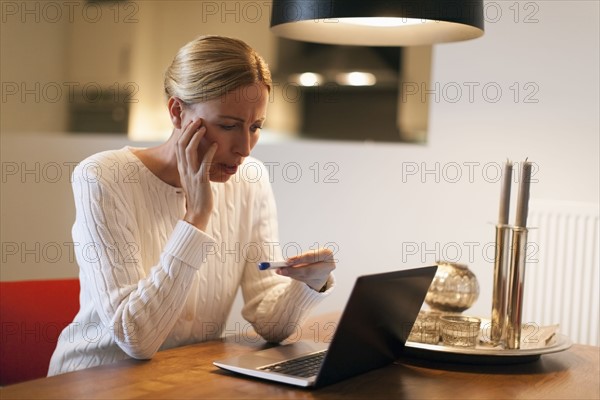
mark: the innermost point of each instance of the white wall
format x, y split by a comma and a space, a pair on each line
379, 218
32, 69
376, 211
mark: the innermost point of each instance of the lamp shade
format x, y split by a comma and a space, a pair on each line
378, 22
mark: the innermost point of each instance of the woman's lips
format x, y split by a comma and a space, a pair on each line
229, 169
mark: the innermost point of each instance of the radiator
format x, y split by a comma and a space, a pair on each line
562, 272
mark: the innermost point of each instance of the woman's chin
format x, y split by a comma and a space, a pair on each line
219, 177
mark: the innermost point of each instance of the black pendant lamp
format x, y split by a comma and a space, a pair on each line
378, 22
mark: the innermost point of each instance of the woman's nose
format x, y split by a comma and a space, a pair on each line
242, 144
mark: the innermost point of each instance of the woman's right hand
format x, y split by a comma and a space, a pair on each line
194, 174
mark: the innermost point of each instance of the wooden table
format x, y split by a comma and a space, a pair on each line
187, 372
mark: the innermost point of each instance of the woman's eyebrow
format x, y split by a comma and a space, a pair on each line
240, 119
232, 117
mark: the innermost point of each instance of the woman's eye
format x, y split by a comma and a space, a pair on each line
225, 127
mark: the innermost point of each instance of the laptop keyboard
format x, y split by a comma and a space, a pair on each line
304, 367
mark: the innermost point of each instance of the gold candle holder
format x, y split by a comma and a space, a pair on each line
499, 298
515, 287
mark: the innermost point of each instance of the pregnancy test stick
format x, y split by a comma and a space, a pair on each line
264, 265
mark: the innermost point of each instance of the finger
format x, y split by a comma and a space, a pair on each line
304, 269
183, 141
297, 272
311, 257
207, 162
188, 132
192, 155
314, 275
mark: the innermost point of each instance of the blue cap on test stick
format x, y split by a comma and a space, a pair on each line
264, 265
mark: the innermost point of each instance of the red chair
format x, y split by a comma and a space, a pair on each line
32, 316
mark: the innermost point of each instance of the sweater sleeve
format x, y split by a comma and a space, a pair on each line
275, 305
138, 304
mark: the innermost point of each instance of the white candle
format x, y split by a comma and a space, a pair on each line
505, 193
523, 197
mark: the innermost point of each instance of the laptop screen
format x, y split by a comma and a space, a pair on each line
375, 323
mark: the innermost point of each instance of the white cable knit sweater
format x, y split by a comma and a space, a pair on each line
150, 281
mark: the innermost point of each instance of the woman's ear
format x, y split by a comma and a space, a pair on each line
176, 105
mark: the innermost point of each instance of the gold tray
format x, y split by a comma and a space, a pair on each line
484, 354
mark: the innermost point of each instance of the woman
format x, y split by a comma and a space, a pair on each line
166, 235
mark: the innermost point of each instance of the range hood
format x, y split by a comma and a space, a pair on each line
326, 106
335, 63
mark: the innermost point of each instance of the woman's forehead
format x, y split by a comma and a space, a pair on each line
248, 103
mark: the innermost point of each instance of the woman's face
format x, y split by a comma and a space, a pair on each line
233, 121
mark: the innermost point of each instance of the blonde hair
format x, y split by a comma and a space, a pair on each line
208, 67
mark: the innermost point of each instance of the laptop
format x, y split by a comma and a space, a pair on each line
371, 333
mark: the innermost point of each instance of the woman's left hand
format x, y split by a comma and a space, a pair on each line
312, 268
